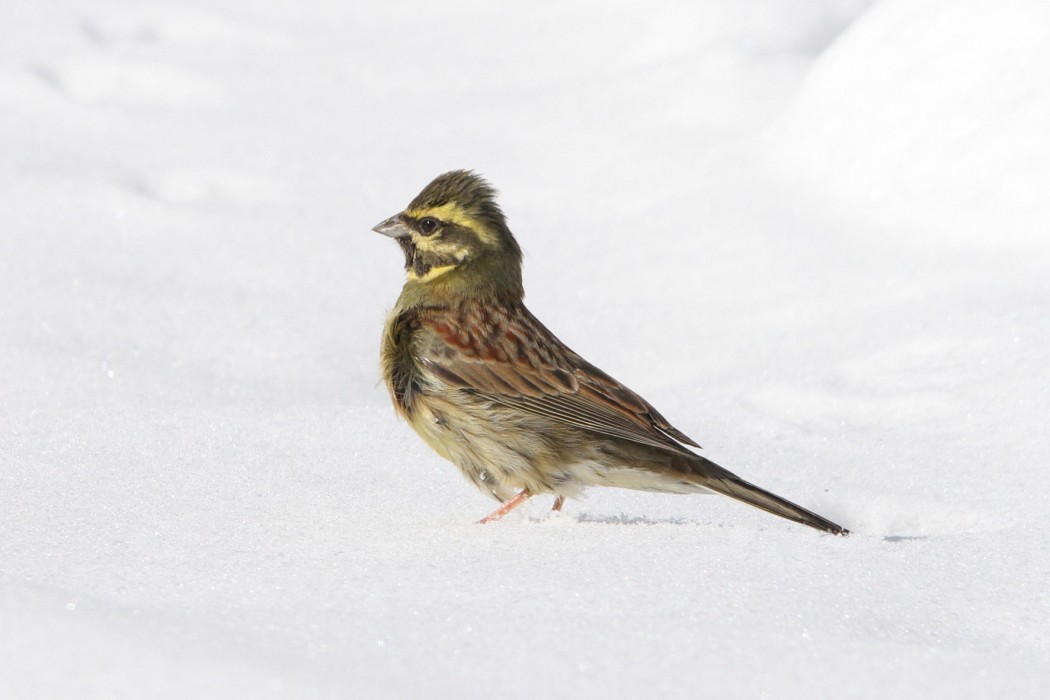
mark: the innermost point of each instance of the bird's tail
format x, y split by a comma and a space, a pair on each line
720, 480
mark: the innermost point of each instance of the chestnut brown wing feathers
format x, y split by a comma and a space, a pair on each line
507, 356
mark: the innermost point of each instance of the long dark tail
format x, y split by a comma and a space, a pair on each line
720, 480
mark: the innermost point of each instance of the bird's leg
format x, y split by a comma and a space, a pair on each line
507, 507
558, 503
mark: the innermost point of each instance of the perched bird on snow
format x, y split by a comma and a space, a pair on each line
490, 389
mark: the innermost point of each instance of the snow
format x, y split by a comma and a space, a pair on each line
813, 233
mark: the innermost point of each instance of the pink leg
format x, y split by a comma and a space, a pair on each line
507, 507
558, 503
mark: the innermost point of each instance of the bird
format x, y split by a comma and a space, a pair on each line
492, 390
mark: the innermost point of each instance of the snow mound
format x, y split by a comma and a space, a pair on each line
922, 105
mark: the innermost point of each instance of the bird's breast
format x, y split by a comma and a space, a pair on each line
401, 372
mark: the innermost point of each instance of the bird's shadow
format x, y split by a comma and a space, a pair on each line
904, 538
624, 519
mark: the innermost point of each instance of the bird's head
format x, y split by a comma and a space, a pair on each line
455, 238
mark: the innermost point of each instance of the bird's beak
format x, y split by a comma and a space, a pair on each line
393, 227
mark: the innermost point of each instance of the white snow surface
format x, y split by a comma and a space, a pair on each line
815, 234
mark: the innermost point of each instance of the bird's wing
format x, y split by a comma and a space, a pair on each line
507, 356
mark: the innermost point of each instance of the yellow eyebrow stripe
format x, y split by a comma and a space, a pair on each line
452, 213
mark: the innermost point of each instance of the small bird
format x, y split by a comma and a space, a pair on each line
490, 389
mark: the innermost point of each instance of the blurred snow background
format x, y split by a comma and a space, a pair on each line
816, 234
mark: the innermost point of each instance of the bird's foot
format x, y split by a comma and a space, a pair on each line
507, 507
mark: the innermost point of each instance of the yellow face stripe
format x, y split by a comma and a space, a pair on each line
452, 213
430, 274
439, 247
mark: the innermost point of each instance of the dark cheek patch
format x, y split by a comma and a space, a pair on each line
413, 257
408, 249
419, 267
462, 236
421, 261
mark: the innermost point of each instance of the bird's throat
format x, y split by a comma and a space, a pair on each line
422, 265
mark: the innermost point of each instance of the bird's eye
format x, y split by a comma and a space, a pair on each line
427, 225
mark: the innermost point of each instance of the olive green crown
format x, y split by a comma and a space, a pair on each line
474, 196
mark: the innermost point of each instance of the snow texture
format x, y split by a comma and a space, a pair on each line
815, 234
